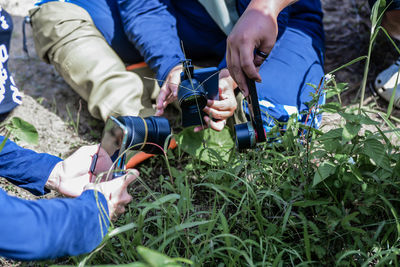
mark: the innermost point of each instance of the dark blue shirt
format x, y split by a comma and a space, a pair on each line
45, 229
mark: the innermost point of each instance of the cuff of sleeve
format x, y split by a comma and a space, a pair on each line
163, 72
38, 188
101, 202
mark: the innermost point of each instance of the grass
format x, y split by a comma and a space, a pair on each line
331, 202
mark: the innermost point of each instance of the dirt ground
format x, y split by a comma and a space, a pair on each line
47, 98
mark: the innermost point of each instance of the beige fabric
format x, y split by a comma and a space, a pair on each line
66, 37
223, 12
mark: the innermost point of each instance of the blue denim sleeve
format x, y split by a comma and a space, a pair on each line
152, 29
26, 168
51, 228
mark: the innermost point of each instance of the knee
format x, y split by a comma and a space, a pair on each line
391, 22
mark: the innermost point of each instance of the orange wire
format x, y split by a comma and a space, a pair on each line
136, 66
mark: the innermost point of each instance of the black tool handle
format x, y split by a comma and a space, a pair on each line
254, 109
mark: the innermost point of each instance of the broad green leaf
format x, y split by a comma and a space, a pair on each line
332, 107
359, 118
332, 134
376, 151
208, 145
350, 130
325, 170
156, 259
332, 146
368, 121
23, 131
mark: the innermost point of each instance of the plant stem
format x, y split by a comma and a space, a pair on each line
365, 76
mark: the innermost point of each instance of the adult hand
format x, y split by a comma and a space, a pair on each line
116, 192
223, 108
70, 176
169, 90
257, 28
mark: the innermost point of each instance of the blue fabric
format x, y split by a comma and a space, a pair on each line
296, 61
10, 97
44, 229
297, 58
47, 229
26, 168
137, 30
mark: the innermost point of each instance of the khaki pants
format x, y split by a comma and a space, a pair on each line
66, 37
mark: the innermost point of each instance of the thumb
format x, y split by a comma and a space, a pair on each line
129, 178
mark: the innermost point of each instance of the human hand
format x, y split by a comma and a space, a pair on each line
257, 29
169, 90
116, 192
70, 176
223, 108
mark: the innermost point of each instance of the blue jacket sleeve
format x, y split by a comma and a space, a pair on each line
26, 168
152, 29
48, 229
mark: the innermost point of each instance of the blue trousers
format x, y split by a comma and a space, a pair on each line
296, 60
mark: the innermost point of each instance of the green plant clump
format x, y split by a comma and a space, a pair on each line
308, 198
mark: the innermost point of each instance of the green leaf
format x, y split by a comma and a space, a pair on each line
375, 13
332, 107
310, 203
325, 170
4, 141
348, 64
359, 118
332, 146
208, 145
23, 131
156, 259
376, 151
351, 130
368, 121
332, 134
348, 219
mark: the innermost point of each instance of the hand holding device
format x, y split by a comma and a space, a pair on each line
169, 90
115, 192
71, 175
218, 111
196, 88
252, 132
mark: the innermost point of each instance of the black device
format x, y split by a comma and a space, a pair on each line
196, 87
252, 132
134, 133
